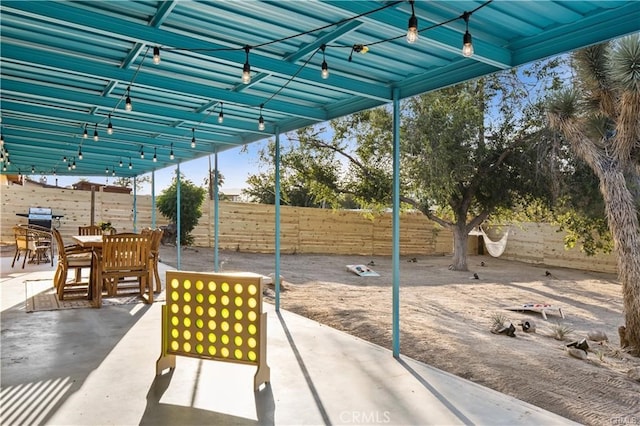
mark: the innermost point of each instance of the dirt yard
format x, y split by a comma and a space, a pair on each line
446, 317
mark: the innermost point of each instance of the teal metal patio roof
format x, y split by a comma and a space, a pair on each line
69, 66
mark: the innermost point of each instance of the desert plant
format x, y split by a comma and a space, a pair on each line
560, 331
498, 319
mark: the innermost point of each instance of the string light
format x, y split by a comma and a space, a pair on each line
113, 171
221, 114
261, 119
85, 135
325, 67
127, 103
95, 133
33, 170
120, 162
64, 159
142, 152
110, 126
130, 165
156, 55
106, 170
246, 69
73, 165
69, 166
412, 30
4, 167
193, 137
155, 156
80, 153
467, 43
171, 156
1, 136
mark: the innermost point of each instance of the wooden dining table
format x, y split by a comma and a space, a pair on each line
92, 241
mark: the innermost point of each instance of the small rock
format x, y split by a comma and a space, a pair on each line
634, 374
528, 326
577, 353
597, 336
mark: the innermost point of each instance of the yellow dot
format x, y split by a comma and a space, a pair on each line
252, 342
175, 321
187, 297
187, 322
175, 346
175, 333
212, 350
211, 324
199, 323
175, 308
225, 313
238, 354
199, 336
252, 329
212, 286
212, 338
186, 347
224, 352
199, 310
237, 327
199, 298
225, 300
252, 356
238, 301
252, 289
212, 299
224, 326
186, 284
199, 348
186, 334
252, 302
225, 287
238, 341
175, 296
186, 309
238, 314
238, 288
175, 283
224, 339
199, 285
212, 312
252, 316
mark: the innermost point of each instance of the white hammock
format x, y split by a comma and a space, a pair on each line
495, 248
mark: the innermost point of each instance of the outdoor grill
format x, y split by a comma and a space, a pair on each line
41, 216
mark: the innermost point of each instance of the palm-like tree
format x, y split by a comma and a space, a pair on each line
600, 118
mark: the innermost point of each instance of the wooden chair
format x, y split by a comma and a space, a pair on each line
155, 235
42, 238
23, 244
89, 230
72, 257
123, 257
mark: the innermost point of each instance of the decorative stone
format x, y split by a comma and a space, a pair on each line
634, 374
577, 353
597, 336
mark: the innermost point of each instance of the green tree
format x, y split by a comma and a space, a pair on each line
191, 198
599, 116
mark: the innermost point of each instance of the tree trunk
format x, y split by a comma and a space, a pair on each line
460, 246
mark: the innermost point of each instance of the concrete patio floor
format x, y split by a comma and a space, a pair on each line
97, 367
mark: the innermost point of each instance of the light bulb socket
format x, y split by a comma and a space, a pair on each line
156, 55
467, 45
412, 30
325, 70
85, 134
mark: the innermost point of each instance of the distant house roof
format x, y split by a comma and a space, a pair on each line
87, 186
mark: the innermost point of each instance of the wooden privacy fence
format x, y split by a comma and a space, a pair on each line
251, 228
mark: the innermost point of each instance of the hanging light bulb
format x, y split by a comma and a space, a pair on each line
113, 171
142, 153
85, 134
246, 69
193, 137
467, 43
127, 102
1, 136
73, 165
156, 55
412, 30
33, 170
171, 156
110, 126
120, 162
106, 170
4, 168
130, 165
80, 153
64, 159
95, 133
221, 114
325, 67
69, 166
155, 156
261, 119
54, 172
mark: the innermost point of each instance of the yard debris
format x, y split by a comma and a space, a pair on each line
509, 330
580, 344
528, 326
597, 336
577, 353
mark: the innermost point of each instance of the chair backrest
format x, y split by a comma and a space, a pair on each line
156, 238
89, 230
62, 257
125, 252
22, 237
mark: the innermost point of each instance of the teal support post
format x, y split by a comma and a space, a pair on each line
135, 206
395, 259
216, 215
179, 210
277, 219
153, 199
